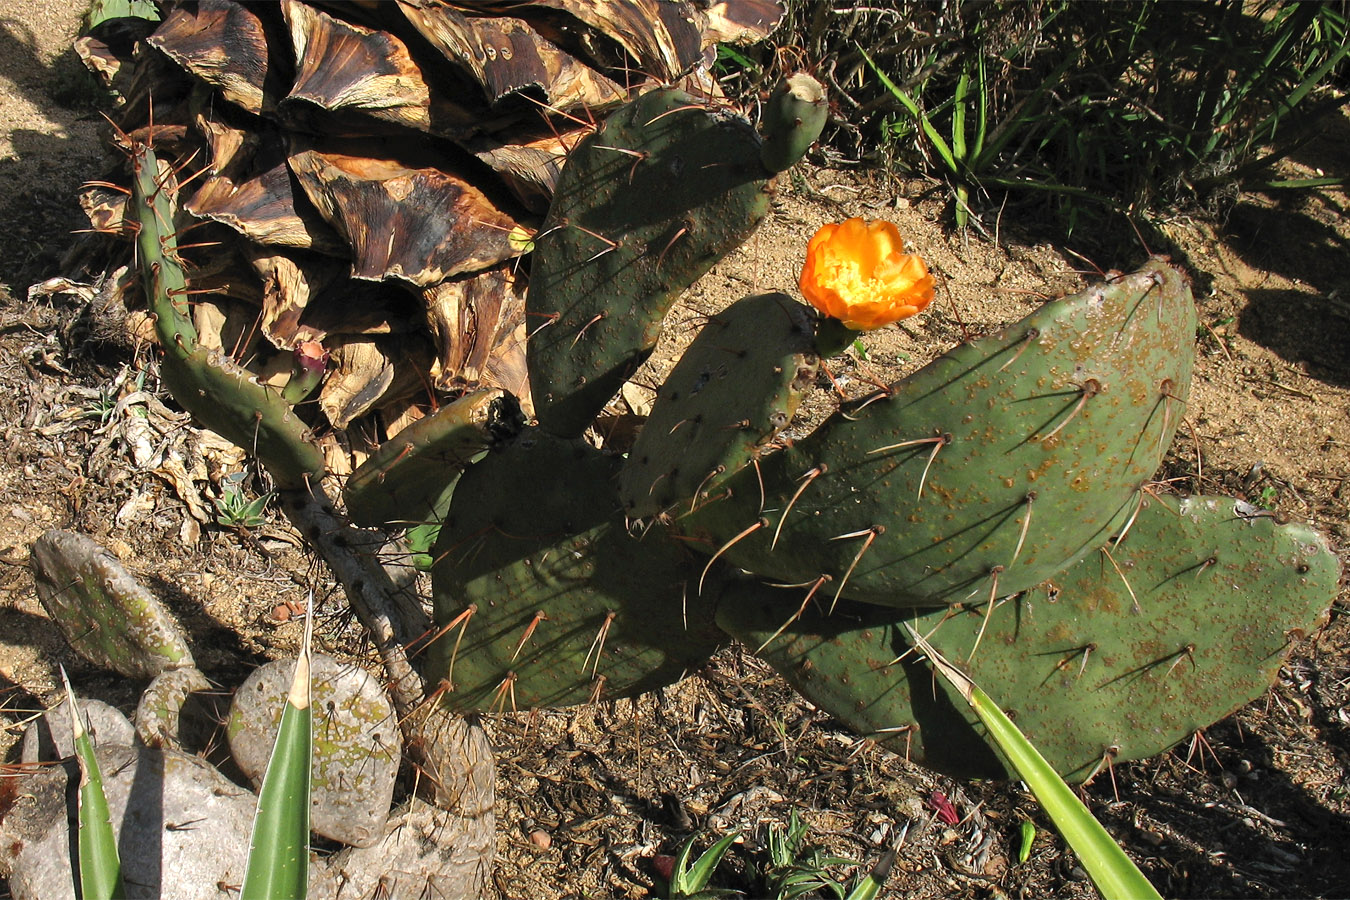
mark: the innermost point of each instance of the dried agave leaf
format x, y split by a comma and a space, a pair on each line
529, 167
469, 319
506, 55
738, 21
222, 43
662, 36
506, 369
103, 206
413, 222
288, 285
347, 68
263, 208
365, 307
230, 147
366, 373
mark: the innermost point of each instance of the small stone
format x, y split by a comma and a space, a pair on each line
541, 839
356, 743
48, 739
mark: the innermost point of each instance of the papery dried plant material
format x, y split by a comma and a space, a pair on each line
472, 321
369, 373
222, 43
410, 220
507, 55
859, 273
351, 78
263, 207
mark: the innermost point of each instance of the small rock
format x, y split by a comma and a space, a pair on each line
356, 743
541, 839
48, 739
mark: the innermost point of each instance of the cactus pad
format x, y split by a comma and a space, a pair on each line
988, 470
644, 206
105, 614
160, 710
734, 389
566, 606
409, 479
223, 395
1121, 656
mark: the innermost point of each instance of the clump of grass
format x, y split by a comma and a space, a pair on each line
1088, 108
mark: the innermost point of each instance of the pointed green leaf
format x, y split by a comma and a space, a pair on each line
100, 867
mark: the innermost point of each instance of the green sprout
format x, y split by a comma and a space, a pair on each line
234, 509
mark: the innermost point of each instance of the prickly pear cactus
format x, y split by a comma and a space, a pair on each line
160, 710
645, 205
985, 472
409, 479
735, 388
1124, 654
222, 394
543, 597
104, 613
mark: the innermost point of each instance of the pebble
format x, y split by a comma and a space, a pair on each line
541, 839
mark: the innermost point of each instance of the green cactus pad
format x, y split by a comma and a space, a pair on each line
160, 710
1217, 591
734, 389
221, 394
644, 206
793, 119
226, 398
410, 478
356, 743
105, 614
567, 607
985, 472
153, 208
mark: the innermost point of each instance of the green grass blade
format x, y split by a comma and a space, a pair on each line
100, 867
959, 117
940, 145
692, 881
1115, 874
868, 887
278, 860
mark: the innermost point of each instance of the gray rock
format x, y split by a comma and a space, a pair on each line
425, 851
48, 738
182, 828
357, 746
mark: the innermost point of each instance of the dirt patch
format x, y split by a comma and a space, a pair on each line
1256, 806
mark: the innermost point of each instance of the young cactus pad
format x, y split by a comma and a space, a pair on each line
220, 393
408, 480
644, 206
1121, 656
543, 598
985, 472
736, 387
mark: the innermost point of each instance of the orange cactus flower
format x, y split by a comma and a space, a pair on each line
858, 273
